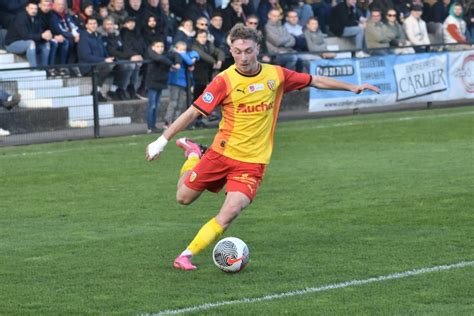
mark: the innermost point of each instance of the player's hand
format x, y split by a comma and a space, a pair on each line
154, 149
363, 87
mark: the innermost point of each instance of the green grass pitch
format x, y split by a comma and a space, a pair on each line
90, 227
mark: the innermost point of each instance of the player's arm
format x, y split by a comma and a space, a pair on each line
154, 149
327, 83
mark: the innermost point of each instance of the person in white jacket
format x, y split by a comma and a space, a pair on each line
454, 28
415, 28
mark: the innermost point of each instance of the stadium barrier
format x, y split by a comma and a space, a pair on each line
424, 77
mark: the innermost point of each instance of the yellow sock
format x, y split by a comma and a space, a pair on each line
206, 235
189, 164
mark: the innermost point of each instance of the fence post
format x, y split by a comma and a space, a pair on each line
95, 102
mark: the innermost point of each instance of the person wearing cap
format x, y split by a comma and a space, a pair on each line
415, 28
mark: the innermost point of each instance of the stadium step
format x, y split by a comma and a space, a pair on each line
57, 102
49, 93
123, 120
7, 58
14, 65
81, 113
40, 84
19, 75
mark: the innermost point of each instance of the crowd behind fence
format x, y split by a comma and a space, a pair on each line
94, 61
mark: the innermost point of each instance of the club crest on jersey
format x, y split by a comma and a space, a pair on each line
256, 87
192, 177
208, 97
271, 84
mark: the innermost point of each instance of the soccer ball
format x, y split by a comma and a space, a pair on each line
231, 254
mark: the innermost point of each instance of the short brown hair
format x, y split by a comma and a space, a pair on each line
240, 31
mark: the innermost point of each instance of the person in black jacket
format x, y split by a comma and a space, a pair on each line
28, 35
151, 32
116, 49
136, 10
8, 11
210, 60
91, 49
156, 80
134, 43
346, 21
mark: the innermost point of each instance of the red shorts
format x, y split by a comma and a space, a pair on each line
215, 170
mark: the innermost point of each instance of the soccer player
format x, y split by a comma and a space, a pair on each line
250, 94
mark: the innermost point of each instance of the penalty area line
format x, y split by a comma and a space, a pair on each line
275, 296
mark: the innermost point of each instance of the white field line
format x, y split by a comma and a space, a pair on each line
271, 297
317, 126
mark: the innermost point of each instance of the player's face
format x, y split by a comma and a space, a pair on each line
245, 54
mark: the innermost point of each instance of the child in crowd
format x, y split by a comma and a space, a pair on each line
178, 81
157, 80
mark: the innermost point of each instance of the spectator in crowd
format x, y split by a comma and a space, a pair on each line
215, 29
178, 81
179, 7
396, 32
45, 16
440, 11
9, 10
346, 22
151, 32
91, 49
153, 8
87, 11
102, 14
376, 35
200, 8
303, 10
136, 10
253, 22
185, 33
28, 35
455, 29
249, 7
279, 41
210, 60
415, 28
322, 11
383, 5
295, 29
202, 24
233, 14
156, 80
62, 24
264, 8
403, 7
469, 18
117, 11
135, 44
116, 49
316, 39
171, 22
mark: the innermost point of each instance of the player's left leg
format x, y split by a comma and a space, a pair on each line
234, 204
193, 153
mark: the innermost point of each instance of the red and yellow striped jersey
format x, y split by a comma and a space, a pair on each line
250, 106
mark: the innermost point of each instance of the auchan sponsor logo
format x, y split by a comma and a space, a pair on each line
262, 107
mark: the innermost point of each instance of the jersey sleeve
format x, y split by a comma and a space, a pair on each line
212, 96
295, 80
